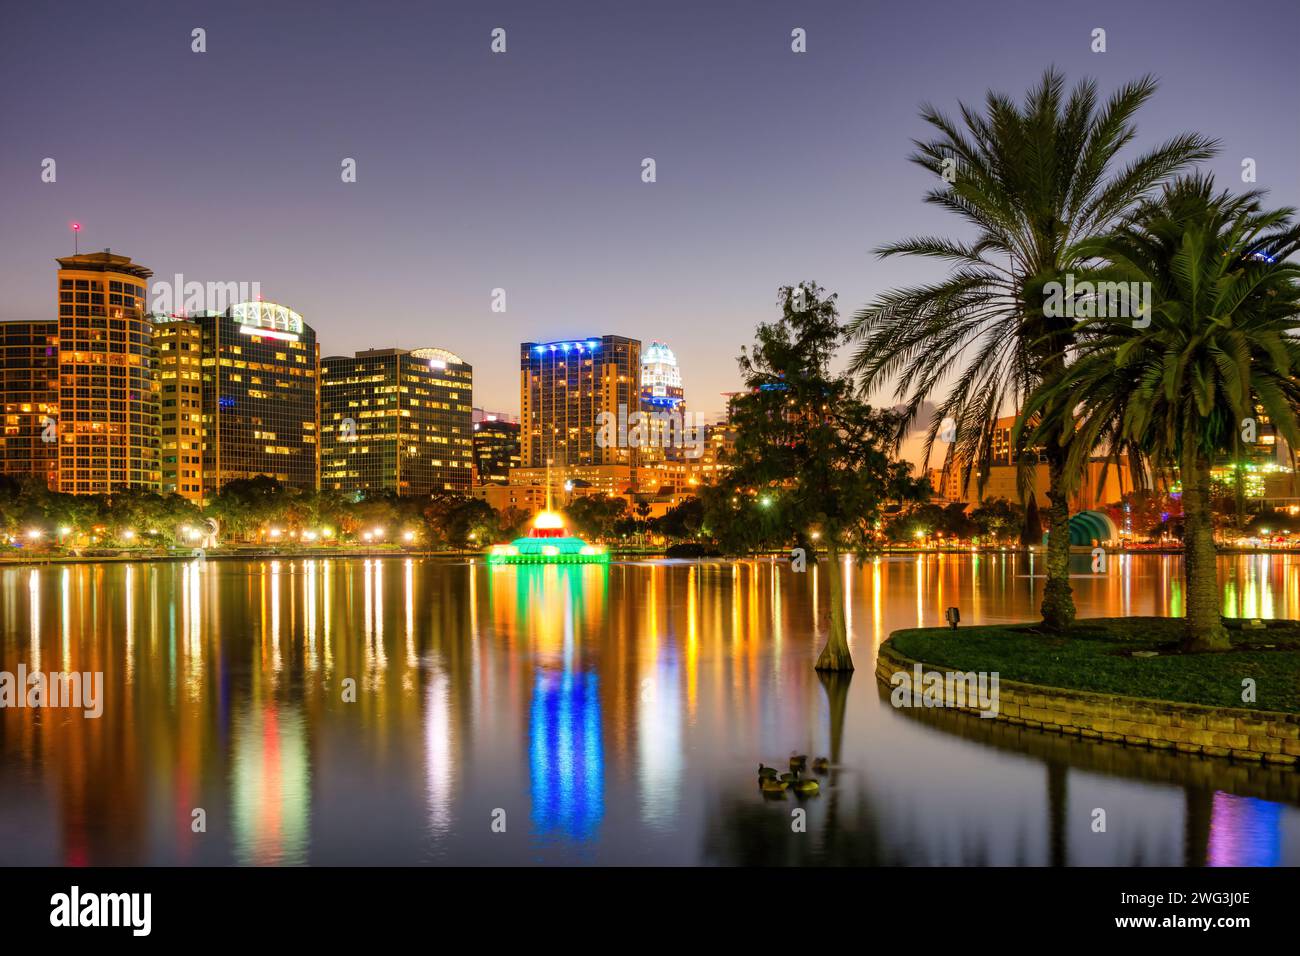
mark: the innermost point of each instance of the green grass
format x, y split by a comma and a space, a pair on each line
1097, 655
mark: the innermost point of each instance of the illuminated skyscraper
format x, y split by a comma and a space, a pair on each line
29, 400
260, 396
563, 388
661, 379
179, 342
397, 420
108, 401
661, 395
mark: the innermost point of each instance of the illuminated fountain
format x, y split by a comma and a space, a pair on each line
548, 542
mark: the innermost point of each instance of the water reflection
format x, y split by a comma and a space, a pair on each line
617, 711
1244, 832
566, 765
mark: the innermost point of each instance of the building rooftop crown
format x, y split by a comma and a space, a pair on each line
104, 262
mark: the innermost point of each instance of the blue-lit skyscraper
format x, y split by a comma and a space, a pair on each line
563, 388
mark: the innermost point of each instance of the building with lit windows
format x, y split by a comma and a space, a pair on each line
259, 392
178, 342
661, 395
29, 400
1262, 460
1101, 482
397, 420
108, 401
564, 386
661, 379
496, 450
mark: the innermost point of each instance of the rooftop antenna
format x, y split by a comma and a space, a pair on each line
76, 235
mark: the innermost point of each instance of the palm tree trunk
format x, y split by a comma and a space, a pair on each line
1205, 630
1058, 597
835, 655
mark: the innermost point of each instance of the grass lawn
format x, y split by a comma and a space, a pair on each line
1098, 655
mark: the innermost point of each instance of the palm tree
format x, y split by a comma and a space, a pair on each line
1036, 183
1216, 349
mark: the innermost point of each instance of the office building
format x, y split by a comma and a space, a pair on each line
29, 401
496, 450
108, 401
397, 420
179, 345
260, 396
661, 396
564, 386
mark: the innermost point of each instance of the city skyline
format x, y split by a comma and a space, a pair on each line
464, 185
735, 435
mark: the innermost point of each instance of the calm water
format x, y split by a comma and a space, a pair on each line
615, 715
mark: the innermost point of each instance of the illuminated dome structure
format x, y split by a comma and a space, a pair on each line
661, 379
438, 358
547, 542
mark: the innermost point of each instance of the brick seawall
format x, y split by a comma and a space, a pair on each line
1238, 733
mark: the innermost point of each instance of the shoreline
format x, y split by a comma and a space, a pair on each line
1236, 733
126, 555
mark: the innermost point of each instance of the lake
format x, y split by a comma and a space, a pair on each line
425, 711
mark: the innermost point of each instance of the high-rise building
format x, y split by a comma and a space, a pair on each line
661, 379
29, 400
397, 420
260, 396
661, 396
179, 344
564, 387
496, 450
108, 401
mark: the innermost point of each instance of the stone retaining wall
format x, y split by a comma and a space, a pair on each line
1191, 728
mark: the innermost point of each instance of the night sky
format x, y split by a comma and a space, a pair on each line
522, 170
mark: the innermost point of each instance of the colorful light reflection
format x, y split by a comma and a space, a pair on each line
566, 756
1245, 831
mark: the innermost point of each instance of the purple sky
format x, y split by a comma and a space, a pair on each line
522, 170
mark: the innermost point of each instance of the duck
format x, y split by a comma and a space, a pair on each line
798, 761
790, 777
806, 788
821, 765
766, 773
774, 787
